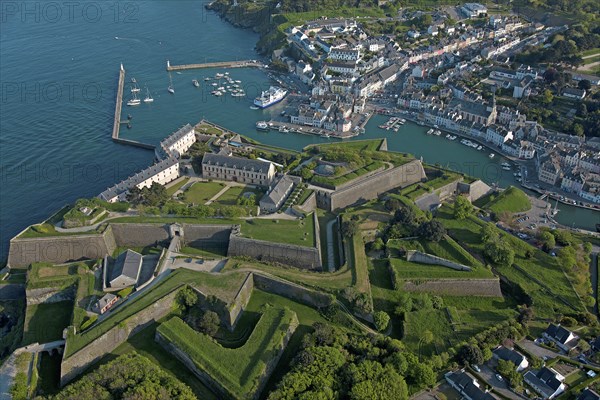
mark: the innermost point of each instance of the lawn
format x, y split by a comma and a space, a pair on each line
208, 129
173, 188
231, 196
512, 200
298, 232
201, 192
45, 322
434, 321
359, 265
237, 370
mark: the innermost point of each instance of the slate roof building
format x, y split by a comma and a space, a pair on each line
588, 394
273, 200
237, 169
467, 386
162, 173
564, 338
126, 269
506, 354
546, 382
105, 303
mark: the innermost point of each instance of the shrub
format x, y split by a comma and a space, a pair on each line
125, 292
382, 320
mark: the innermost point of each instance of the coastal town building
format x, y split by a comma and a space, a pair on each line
237, 169
562, 337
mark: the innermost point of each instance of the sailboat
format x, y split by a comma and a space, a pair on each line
134, 101
148, 98
135, 88
170, 88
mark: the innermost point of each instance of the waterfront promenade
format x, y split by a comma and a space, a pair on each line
222, 64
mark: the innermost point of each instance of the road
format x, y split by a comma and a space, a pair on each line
489, 375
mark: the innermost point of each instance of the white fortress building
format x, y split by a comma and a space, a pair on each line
177, 143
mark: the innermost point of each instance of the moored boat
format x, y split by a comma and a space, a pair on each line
262, 126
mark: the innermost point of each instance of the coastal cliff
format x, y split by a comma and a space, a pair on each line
253, 16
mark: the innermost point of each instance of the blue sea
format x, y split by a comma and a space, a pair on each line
58, 71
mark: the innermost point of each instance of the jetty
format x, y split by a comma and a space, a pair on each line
119, 104
117, 119
222, 64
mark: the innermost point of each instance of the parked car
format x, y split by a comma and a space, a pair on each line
476, 368
499, 377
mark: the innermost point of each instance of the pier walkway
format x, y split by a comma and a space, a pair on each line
117, 120
222, 64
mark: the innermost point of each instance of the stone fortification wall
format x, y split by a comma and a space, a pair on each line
427, 201
206, 237
296, 256
240, 302
474, 190
291, 291
457, 287
424, 258
76, 363
310, 204
214, 385
370, 187
57, 249
139, 235
49, 295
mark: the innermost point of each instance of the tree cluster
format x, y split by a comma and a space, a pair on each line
130, 376
337, 365
496, 248
155, 195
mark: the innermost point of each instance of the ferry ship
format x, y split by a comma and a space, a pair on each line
270, 97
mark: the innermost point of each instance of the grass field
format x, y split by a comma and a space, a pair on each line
301, 233
329, 282
360, 265
414, 271
173, 188
511, 200
144, 344
554, 288
231, 196
238, 370
201, 192
45, 322
172, 282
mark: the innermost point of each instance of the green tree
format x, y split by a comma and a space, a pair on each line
500, 252
382, 320
462, 207
470, 354
349, 228
488, 233
187, 297
209, 323
432, 230
584, 84
423, 375
547, 240
547, 96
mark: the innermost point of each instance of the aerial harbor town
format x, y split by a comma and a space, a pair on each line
234, 267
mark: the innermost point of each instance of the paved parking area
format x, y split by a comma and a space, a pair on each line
489, 375
537, 350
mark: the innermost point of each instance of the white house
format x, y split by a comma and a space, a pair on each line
506, 354
564, 338
497, 135
176, 143
546, 382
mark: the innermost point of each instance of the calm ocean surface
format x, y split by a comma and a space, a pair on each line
58, 72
